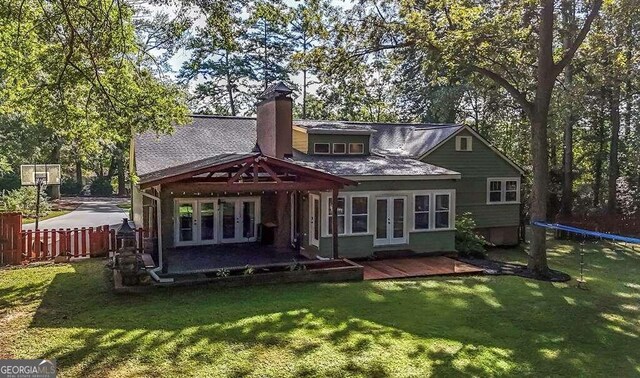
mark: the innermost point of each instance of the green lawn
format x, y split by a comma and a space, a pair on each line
445, 326
50, 214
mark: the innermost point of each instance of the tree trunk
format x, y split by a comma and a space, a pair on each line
121, 176
55, 158
614, 167
79, 173
600, 155
304, 75
232, 103
566, 204
538, 116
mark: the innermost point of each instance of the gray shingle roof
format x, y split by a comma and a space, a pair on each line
369, 165
214, 137
205, 137
396, 139
192, 166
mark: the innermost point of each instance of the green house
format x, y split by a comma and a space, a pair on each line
236, 191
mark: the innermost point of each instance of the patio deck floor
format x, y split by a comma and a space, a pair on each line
204, 258
415, 267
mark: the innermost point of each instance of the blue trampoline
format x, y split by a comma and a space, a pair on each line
581, 231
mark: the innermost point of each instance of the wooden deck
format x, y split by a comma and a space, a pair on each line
415, 267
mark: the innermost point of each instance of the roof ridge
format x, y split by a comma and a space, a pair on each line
430, 124
220, 116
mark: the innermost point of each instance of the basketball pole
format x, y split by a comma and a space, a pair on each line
38, 188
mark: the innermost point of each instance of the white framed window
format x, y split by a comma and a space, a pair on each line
433, 210
421, 216
442, 211
464, 143
321, 148
339, 148
359, 214
341, 215
356, 148
503, 190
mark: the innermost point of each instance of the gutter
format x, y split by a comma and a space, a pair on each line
153, 272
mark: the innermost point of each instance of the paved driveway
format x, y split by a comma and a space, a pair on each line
92, 212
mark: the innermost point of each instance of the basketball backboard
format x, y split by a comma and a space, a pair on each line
47, 174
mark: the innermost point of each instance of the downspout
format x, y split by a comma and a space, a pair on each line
153, 272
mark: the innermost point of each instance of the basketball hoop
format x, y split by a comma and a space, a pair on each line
39, 175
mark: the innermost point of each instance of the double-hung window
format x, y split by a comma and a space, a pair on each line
359, 215
503, 190
421, 212
341, 216
432, 211
442, 210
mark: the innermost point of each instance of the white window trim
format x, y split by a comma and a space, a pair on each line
432, 210
469, 140
315, 151
409, 211
333, 149
356, 153
428, 212
503, 180
325, 219
350, 212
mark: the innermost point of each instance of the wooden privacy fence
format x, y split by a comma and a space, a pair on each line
10, 238
76, 242
17, 245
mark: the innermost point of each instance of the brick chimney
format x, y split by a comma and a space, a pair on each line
274, 121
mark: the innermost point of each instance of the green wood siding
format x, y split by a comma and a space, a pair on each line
362, 245
476, 167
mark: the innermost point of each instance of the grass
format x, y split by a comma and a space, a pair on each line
474, 326
124, 205
50, 214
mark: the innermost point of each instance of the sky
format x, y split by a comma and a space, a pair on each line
182, 55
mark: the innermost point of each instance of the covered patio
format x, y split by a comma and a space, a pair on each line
211, 213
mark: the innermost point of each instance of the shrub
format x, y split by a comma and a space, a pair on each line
468, 242
24, 200
9, 181
70, 186
101, 186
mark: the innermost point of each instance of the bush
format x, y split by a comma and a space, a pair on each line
9, 181
101, 186
468, 242
70, 186
24, 200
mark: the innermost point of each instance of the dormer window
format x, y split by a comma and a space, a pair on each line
464, 143
339, 148
321, 148
356, 148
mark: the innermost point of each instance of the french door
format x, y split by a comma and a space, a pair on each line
239, 220
391, 221
209, 221
314, 220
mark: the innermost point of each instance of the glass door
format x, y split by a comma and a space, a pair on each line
390, 221
185, 223
314, 220
207, 222
228, 221
248, 222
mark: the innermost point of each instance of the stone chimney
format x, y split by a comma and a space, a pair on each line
275, 120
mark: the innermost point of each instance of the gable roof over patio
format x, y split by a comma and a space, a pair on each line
246, 172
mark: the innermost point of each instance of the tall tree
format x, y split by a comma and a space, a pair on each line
510, 44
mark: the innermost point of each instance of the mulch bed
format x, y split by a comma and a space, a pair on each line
501, 268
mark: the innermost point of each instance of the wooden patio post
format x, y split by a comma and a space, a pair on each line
334, 222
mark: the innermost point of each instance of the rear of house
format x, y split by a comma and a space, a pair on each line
317, 189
